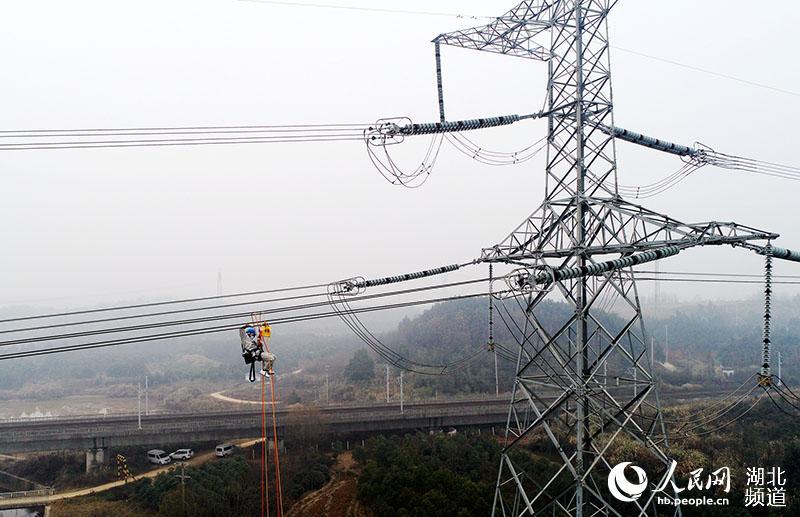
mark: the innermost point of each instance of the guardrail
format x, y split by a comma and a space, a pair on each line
28, 493
95, 417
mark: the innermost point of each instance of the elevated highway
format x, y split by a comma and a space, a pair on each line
95, 433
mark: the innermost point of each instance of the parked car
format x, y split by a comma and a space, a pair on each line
222, 450
182, 454
158, 457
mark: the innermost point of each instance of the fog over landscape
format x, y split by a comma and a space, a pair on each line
92, 227
130, 274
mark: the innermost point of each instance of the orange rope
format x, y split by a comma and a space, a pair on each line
264, 464
278, 487
264, 474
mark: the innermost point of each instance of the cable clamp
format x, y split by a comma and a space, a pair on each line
349, 287
388, 131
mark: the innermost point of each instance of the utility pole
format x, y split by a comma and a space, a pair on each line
387, 383
401, 391
139, 393
327, 387
183, 477
780, 363
666, 343
146, 397
652, 351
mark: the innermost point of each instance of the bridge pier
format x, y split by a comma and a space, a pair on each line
271, 446
95, 455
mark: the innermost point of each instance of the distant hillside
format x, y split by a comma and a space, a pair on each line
702, 338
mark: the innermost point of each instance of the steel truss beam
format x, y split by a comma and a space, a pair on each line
597, 359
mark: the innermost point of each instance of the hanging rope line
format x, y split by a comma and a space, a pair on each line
727, 161
264, 338
348, 315
39, 139
778, 407
339, 296
224, 328
660, 186
785, 389
695, 157
264, 464
718, 406
161, 313
161, 303
396, 175
386, 132
687, 428
738, 417
237, 315
469, 148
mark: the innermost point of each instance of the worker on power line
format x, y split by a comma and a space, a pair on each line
253, 341
251, 349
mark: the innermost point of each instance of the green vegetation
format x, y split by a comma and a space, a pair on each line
56, 470
225, 487
361, 367
428, 475
423, 475
222, 487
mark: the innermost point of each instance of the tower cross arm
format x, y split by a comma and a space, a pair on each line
512, 33
619, 227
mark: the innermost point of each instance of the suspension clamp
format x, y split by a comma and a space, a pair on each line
349, 287
531, 280
387, 131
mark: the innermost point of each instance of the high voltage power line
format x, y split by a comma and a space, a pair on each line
389, 355
252, 304
561, 250
160, 303
381, 349
42, 139
254, 307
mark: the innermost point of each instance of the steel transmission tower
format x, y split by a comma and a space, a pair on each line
597, 366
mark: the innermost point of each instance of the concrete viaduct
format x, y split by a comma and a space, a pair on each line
95, 434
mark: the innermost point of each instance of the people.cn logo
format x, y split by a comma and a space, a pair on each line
621, 488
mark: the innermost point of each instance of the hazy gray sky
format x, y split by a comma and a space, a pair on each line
78, 224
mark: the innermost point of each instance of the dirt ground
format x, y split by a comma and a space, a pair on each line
338, 497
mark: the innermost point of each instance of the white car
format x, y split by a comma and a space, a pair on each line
158, 457
226, 449
182, 454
